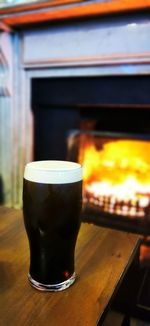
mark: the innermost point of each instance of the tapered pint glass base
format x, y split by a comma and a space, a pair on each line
52, 287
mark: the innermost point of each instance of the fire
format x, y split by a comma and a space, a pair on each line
117, 175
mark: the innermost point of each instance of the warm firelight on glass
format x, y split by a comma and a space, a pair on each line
116, 175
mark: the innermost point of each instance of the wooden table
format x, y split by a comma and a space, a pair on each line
102, 257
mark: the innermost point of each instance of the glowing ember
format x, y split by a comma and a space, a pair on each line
117, 175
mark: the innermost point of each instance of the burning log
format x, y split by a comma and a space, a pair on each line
132, 208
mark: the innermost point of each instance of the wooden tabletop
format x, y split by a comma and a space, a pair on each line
102, 256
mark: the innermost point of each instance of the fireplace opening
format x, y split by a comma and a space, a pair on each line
116, 178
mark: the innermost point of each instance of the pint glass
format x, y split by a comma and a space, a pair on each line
52, 197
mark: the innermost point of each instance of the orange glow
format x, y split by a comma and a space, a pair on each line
116, 175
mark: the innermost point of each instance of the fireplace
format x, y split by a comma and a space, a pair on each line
105, 115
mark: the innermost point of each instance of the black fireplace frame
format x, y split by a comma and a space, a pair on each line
124, 97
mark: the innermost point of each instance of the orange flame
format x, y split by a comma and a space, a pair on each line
119, 169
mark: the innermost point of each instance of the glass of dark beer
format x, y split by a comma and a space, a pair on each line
52, 200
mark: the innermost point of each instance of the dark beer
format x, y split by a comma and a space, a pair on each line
52, 221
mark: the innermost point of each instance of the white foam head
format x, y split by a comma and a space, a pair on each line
53, 172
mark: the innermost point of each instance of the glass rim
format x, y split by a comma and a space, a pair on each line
53, 171
53, 165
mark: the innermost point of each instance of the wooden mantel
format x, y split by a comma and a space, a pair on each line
44, 11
